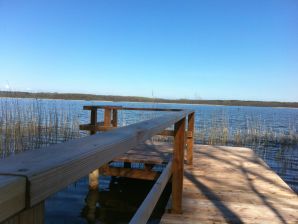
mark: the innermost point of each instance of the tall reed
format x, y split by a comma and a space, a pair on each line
219, 131
34, 124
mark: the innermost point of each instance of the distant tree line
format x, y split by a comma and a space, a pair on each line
79, 96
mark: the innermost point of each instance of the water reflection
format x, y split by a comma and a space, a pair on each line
120, 202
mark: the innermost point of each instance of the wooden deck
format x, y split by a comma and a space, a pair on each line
149, 153
233, 185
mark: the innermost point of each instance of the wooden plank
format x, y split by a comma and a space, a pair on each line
167, 133
34, 215
131, 108
12, 191
102, 107
188, 134
178, 163
91, 127
95, 128
149, 152
190, 138
144, 212
50, 169
233, 185
129, 173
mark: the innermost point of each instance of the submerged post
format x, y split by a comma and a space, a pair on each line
177, 168
190, 137
93, 176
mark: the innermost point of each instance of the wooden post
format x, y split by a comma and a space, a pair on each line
115, 118
190, 137
93, 118
107, 117
177, 168
34, 215
93, 176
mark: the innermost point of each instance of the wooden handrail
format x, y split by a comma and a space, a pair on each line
146, 208
131, 108
50, 169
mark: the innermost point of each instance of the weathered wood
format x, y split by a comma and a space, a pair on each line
167, 133
34, 215
12, 192
94, 179
129, 173
102, 107
115, 118
148, 167
95, 128
130, 108
146, 208
233, 185
107, 117
93, 119
93, 176
149, 152
190, 138
178, 163
91, 127
50, 169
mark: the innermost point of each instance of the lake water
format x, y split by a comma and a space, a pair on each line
113, 202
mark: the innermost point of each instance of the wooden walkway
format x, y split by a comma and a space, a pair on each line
233, 185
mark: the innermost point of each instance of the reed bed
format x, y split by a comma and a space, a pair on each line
34, 124
254, 132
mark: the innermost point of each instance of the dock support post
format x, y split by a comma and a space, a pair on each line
190, 137
93, 176
178, 164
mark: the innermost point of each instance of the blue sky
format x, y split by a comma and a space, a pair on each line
208, 49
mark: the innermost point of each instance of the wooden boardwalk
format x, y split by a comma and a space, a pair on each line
233, 185
224, 184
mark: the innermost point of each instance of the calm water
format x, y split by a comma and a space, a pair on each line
116, 201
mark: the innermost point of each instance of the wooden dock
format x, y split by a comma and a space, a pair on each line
210, 184
233, 185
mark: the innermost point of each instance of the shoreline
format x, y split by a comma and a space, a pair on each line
134, 99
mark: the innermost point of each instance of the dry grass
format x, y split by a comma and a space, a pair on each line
254, 133
33, 125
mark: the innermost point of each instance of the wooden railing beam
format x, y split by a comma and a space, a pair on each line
144, 212
50, 169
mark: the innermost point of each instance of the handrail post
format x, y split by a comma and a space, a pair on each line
107, 117
115, 118
190, 137
93, 118
94, 175
178, 164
